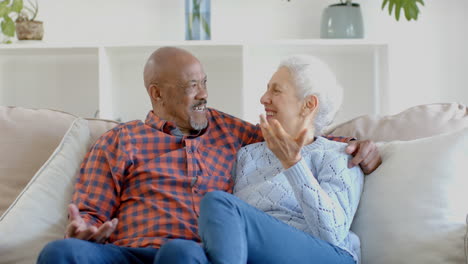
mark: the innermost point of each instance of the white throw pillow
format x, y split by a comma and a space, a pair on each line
413, 208
39, 213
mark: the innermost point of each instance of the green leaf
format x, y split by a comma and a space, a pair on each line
398, 7
384, 3
411, 12
8, 26
190, 26
4, 8
17, 6
410, 8
196, 6
390, 7
206, 26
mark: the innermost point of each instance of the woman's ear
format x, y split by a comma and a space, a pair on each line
310, 105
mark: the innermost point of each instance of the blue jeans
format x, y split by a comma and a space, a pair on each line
235, 232
79, 251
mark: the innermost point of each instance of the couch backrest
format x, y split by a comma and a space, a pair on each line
27, 138
415, 122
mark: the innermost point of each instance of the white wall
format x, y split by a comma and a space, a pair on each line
428, 58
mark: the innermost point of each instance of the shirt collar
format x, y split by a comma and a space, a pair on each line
167, 127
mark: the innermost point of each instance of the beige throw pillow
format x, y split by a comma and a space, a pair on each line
39, 213
413, 208
413, 123
27, 139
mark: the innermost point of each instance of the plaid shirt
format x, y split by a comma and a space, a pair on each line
153, 181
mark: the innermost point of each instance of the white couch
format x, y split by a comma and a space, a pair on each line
412, 210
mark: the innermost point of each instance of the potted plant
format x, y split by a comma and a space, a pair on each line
27, 28
344, 20
9, 9
410, 7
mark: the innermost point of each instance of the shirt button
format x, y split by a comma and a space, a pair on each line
189, 151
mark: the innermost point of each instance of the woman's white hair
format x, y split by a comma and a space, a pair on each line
313, 77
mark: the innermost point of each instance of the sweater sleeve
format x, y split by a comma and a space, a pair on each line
328, 207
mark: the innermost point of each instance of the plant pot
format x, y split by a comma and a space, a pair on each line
29, 30
342, 21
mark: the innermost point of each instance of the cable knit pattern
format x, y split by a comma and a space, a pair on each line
323, 206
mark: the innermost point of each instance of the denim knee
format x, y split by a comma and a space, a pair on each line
180, 251
213, 201
57, 250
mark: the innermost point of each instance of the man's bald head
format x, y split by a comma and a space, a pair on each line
176, 83
165, 61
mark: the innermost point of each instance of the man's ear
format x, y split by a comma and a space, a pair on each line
154, 91
311, 103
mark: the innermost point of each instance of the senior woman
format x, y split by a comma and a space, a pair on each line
294, 195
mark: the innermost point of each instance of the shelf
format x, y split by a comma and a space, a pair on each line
86, 78
50, 78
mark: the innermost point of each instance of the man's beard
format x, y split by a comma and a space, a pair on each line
198, 125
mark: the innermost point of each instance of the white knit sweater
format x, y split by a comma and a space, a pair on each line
323, 206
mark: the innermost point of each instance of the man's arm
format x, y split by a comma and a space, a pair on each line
365, 153
78, 228
96, 192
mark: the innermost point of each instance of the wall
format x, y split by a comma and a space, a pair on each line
428, 58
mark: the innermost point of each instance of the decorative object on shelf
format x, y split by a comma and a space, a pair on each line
27, 28
409, 6
342, 20
197, 19
9, 9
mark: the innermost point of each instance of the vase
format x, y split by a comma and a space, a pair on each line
197, 19
342, 21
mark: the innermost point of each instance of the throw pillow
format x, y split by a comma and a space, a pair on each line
413, 123
39, 213
413, 208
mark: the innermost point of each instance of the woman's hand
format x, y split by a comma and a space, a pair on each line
286, 148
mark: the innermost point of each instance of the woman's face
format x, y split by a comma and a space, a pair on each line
282, 103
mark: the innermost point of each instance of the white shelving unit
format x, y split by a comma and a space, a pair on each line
107, 79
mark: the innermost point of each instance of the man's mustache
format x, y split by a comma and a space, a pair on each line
202, 102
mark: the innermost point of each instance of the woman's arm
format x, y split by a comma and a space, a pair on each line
328, 207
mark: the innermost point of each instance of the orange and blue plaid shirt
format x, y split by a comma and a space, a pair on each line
153, 180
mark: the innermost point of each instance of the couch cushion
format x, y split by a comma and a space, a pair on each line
39, 214
413, 208
415, 122
97, 127
27, 138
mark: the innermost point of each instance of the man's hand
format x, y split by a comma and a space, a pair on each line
365, 153
77, 227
